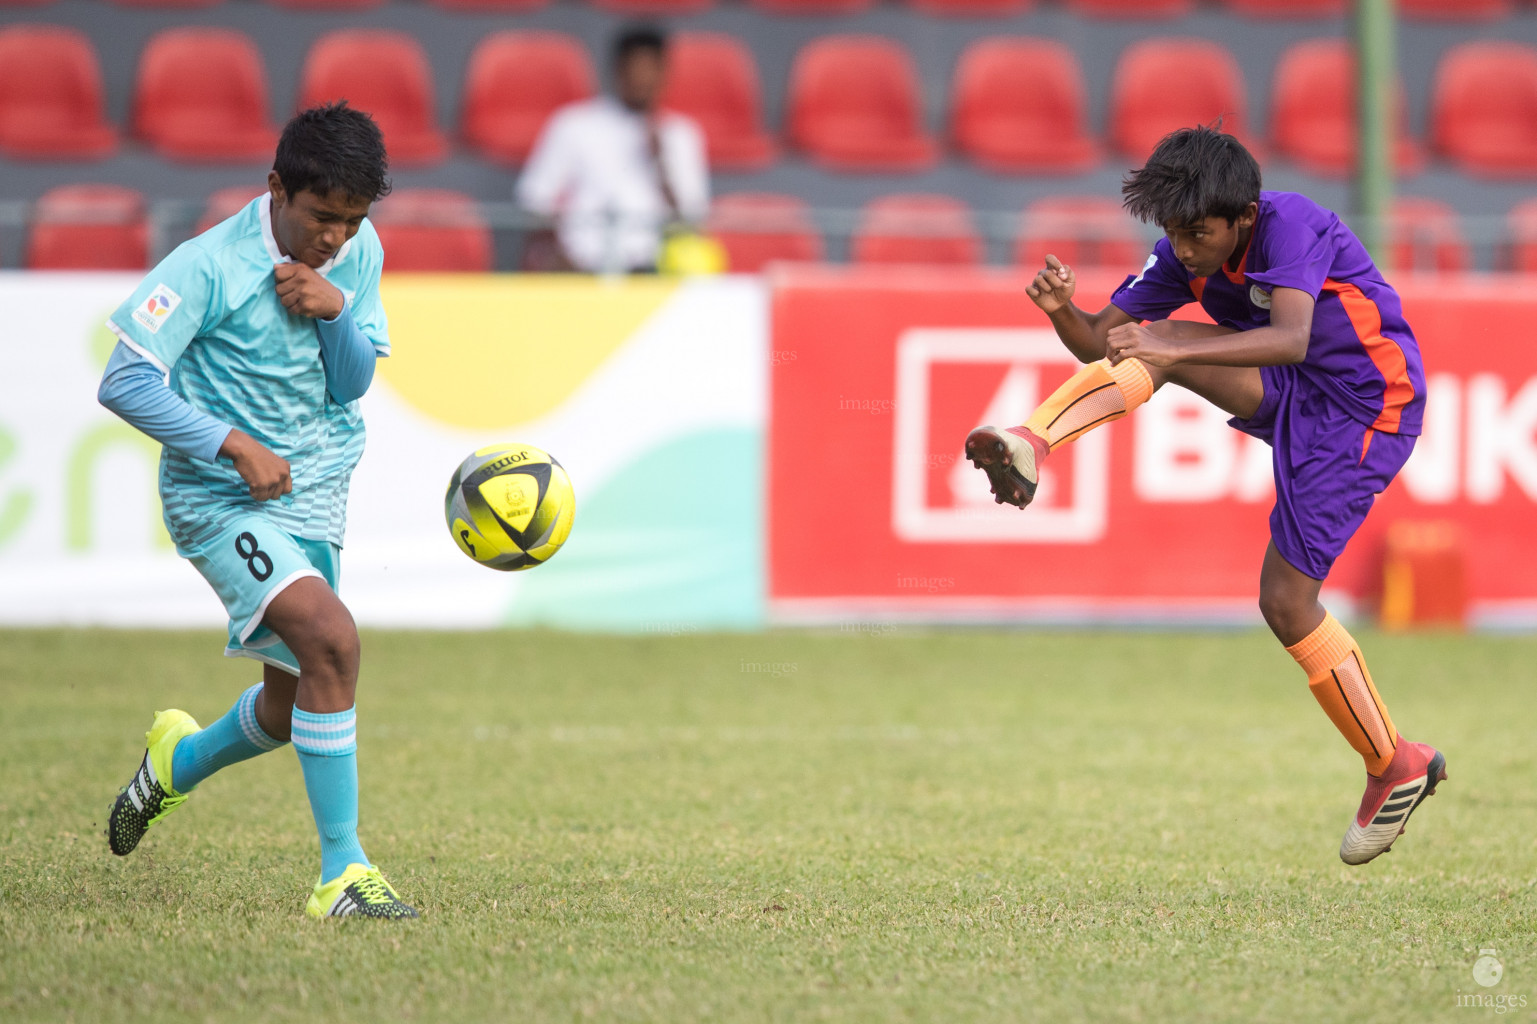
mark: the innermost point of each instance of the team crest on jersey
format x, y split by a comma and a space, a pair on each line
153, 311
1259, 296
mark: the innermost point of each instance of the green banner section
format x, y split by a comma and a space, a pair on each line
672, 543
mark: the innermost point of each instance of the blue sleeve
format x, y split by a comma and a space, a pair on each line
137, 390
1161, 288
179, 298
348, 354
367, 309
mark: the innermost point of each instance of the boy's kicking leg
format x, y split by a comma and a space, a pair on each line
1400, 774
314, 624
178, 755
1097, 394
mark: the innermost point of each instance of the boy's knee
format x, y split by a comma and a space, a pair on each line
336, 645
1286, 612
326, 645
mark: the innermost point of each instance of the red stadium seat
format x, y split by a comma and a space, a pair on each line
225, 203
202, 95
1313, 109
1293, 9
515, 81
1165, 84
713, 79
644, 7
183, 5
1521, 223
431, 229
386, 74
490, 6
89, 227
51, 97
1484, 108
917, 229
1128, 9
326, 5
813, 7
971, 8
1081, 231
167, 4
1455, 10
1426, 235
855, 105
757, 228
1020, 105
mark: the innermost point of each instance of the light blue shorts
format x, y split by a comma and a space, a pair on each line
248, 564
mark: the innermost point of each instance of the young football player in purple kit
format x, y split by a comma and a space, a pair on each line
1310, 353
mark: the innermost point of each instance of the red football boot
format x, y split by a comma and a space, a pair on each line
1010, 458
1410, 777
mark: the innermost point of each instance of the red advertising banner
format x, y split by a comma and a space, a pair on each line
879, 373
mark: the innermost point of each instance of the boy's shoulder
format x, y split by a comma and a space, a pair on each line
238, 231
1294, 207
1292, 226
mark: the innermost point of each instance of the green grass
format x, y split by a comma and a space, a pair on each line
961, 826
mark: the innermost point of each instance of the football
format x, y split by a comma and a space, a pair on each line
510, 506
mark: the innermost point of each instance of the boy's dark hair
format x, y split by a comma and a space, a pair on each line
333, 148
1194, 173
639, 37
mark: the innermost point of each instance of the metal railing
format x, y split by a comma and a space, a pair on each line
1484, 242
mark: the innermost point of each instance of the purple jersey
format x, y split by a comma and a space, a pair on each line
1361, 351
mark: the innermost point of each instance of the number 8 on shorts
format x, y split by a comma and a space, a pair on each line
248, 563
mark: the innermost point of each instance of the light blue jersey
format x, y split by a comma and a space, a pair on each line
209, 317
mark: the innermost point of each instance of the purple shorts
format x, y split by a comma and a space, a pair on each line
1329, 468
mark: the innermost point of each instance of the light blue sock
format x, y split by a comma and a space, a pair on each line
235, 737
327, 746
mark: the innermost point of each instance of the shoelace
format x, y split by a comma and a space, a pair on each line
168, 803
373, 890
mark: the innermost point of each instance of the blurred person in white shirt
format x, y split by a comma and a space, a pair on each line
614, 173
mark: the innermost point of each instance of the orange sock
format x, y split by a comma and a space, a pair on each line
1096, 394
1343, 687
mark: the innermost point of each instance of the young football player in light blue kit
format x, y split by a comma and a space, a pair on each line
244, 353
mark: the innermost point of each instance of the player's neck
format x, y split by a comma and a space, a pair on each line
1244, 236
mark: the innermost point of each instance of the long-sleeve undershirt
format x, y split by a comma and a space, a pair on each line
348, 354
139, 392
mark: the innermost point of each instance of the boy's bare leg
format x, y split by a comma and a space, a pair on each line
1236, 390
275, 705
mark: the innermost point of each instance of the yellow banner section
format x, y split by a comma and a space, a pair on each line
483, 352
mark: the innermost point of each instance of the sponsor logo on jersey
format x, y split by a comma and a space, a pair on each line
1259, 296
154, 310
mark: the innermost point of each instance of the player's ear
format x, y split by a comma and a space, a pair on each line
275, 186
1249, 215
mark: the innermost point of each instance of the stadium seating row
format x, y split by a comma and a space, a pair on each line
106, 227
1433, 10
1018, 104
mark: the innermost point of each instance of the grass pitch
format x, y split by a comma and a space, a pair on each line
960, 826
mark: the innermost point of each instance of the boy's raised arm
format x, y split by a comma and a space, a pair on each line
1083, 333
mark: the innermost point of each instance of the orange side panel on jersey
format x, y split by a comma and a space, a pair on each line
1385, 353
